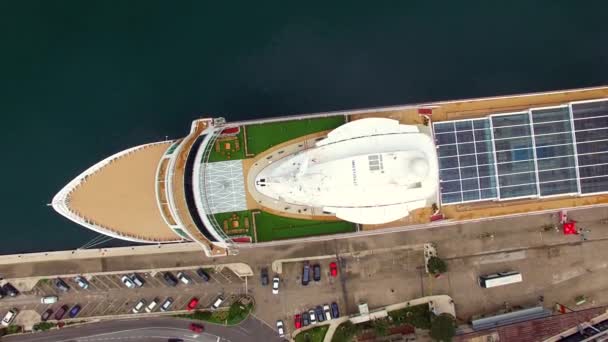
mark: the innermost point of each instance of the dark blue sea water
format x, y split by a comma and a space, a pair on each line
80, 80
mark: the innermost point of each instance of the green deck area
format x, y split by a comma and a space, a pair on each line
228, 148
261, 137
272, 227
236, 223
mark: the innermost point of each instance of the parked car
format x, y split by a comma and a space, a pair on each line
297, 321
305, 274
137, 279
9, 317
183, 277
275, 285
10, 290
82, 282
333, 269
319, 313
280, 328
46, 315
313, 318
192, 304
166, 304
152, 305
61, 285
61, 312
49, 299
170, 279
75, 310
203, 274
305, 319
127, 281
139, 306
335, 313
327, 312
264, 276
197, 328
316, 272
218, 302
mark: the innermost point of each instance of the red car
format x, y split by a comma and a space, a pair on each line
333, 269
298, 321
197, 328
192, 304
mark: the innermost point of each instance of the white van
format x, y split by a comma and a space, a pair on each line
152, 305
48, 300
9, 317
218, 302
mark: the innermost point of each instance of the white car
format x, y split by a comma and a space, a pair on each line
327, 312
152, 305
9, 317
275, 285
140, 305
280, 328
82, 282
127, 281
183, 278
313, 317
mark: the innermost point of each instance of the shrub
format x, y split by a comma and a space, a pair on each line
436, 265
443, 328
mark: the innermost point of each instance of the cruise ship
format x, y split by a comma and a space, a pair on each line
226, 184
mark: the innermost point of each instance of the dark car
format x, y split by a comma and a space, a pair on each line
305, 319
319, 313
203, 274
316, 272
10, 290
75, 310
46, 315
2, 293
61, 312
264, 275
61, 285
170, 279
306, 274
335, 313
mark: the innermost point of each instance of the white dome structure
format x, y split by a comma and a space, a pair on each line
369, 171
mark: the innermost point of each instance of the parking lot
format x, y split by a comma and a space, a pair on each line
108, 296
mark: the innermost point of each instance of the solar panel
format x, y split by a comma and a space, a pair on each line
466, 161
542, 152
591, 132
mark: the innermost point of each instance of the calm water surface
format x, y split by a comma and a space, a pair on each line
80, 80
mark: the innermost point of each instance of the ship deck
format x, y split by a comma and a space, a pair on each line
121, 196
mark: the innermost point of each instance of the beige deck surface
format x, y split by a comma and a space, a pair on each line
121, 196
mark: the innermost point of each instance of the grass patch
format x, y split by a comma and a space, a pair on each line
272, 227
236, 223
43, 326
228, 148
312, 335
234, 315
419, 316
261, 137
11, 329
44, 281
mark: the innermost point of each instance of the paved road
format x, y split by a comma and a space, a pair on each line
153, 329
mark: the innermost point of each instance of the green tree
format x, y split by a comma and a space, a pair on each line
381, 326
443, 328
436, 265
345, 332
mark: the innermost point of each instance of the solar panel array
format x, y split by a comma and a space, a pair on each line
542, 152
